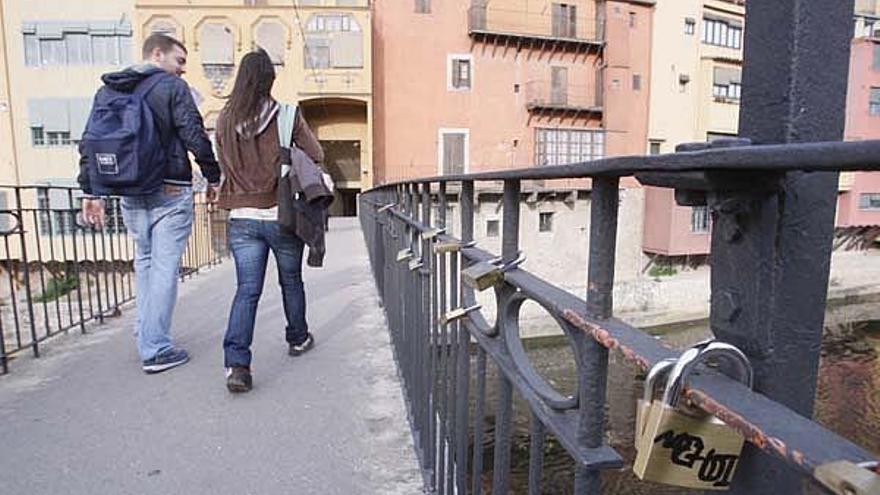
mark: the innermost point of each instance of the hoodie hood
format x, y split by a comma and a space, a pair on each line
267, 113
127, 79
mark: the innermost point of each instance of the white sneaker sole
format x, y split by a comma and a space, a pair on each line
158, 368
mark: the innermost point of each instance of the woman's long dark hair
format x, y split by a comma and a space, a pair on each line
252, 88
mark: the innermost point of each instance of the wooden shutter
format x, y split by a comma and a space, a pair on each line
559, 85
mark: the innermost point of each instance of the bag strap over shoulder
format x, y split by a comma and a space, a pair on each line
286, 120
148, 84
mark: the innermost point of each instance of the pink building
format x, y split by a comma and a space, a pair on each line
859, 201
468, 85
672, 230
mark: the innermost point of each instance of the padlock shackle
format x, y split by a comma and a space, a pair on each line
695, 355
658, 371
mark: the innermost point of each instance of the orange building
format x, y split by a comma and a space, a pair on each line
468, 85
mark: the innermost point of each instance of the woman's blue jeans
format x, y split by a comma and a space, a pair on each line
251, 241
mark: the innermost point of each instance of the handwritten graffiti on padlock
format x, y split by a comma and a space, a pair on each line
687, 448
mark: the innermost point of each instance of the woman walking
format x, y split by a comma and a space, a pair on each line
250, 154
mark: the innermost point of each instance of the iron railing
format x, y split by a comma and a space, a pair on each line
435, 357
773, 212
57, 274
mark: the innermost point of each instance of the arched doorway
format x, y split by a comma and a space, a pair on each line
341, 127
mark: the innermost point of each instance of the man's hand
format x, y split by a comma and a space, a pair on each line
94, 212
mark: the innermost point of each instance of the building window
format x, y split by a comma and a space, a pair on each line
559, 86
453, 151
700, 219
49, 44
492, 227
270, 36
564, 18
332, 23
57, 121
726, 33
874, 103
460, 72
423, 6
690, 26
317, 52
562, 146
632, 19
727, 84
57, 208
217, 46
654, 147
637, 82
876, 64
869, 201
334, 41
37, 136
545, 222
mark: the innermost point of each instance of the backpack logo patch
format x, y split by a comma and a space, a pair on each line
107, 163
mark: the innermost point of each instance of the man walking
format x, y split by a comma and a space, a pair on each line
156, 183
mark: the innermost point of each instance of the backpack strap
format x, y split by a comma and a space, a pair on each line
148, 84
286, 121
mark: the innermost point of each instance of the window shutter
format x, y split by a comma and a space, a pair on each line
270, 37
558, 85
347, 50
217, 44
453, 154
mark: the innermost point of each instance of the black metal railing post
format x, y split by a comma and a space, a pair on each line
771, 252
504, 403
593, 376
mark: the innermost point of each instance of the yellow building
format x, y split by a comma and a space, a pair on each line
322, 53
695, 72
52, 54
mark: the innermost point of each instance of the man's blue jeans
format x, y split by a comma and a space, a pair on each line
160, 225
250, 241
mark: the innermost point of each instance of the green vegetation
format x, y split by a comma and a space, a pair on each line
662, 271
58, 287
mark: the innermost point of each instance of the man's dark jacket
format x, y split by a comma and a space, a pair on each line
178, 121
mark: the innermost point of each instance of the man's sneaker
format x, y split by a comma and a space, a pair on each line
166, 360
238, 379
302, 347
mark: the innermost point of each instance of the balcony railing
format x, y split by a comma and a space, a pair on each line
545, 96
484, 21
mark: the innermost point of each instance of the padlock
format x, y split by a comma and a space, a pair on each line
404, 254
485, 274
656, 373
432, 233
456, 314
689, 448
442, 247
847, 478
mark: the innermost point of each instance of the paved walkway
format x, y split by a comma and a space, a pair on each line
84, 419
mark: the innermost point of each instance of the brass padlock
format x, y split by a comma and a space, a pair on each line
442, 247
847, 478
689, 448
485, 274
432, 233
404, 254
656, 373
456, 314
